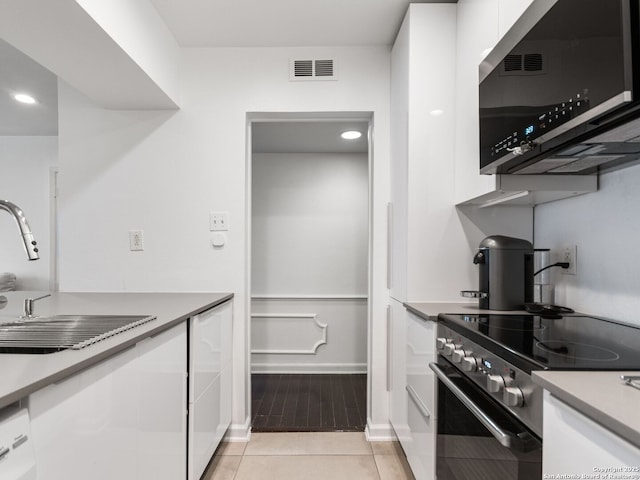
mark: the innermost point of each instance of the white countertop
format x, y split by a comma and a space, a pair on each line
22, 374
601, 396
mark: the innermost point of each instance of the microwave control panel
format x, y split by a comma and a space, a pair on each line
536, 125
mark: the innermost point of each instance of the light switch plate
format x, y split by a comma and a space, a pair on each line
218, 221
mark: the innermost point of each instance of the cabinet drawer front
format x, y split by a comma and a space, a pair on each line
205, 355
420, 352
421, 456
204, 426
210, 347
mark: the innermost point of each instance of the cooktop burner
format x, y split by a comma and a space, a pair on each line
572, 342
578, 351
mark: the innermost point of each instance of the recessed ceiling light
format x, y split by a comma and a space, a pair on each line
351, 134
437, 112
24, 98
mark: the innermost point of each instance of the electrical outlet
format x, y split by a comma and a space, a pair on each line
218, 221
136, 240
569, 254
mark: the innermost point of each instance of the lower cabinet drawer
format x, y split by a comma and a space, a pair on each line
422, 423
204, 421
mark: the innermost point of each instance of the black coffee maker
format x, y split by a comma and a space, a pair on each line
505, 272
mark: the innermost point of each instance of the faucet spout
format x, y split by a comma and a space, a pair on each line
30, 244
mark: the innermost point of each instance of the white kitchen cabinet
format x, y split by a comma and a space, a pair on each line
412, 393
421, 388
162, 423
209, 384
577, 447
398, 367
423, 238
123, 418
481, 23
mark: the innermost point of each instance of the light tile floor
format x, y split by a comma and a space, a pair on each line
309, 456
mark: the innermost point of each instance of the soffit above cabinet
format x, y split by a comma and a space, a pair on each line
530, 190
284, 23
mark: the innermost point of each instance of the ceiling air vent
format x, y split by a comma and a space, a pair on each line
519, 64
312, 70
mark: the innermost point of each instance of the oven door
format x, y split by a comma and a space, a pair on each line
477, 438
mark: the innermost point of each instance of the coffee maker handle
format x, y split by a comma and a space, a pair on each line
479, 258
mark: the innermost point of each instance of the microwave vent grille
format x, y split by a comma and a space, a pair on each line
512, 63
533, 62
523, 64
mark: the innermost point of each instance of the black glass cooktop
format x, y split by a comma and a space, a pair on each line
570, 342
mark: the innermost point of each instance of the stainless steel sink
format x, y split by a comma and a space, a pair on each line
61, 332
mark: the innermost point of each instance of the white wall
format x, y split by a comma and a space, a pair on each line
25, 163
309, 224
605, 227
164, 171
309, 262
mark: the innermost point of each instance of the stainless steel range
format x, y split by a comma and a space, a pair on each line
489, 409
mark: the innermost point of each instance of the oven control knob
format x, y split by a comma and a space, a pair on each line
513, 397
448, 349
442, 341
469, 364
495, 383
459, 354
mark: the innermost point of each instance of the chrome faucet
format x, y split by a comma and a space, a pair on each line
30, 244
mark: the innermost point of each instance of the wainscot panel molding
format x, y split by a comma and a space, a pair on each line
287, 333
309, 334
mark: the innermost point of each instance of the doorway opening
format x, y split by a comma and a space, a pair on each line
309, 272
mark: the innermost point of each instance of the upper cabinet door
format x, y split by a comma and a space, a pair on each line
422, 145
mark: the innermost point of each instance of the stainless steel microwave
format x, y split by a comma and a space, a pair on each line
560, 92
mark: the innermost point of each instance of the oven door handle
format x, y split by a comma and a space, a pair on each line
506, 439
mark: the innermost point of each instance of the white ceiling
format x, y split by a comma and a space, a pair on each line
279, 23
214, 23
307, 137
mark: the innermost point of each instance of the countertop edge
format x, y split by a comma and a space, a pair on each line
611, 423
24, 391
430, 310
424, 315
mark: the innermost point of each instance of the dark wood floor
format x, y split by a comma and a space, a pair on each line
308, 403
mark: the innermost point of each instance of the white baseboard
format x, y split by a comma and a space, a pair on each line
239, 432
308, 368
380, 432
